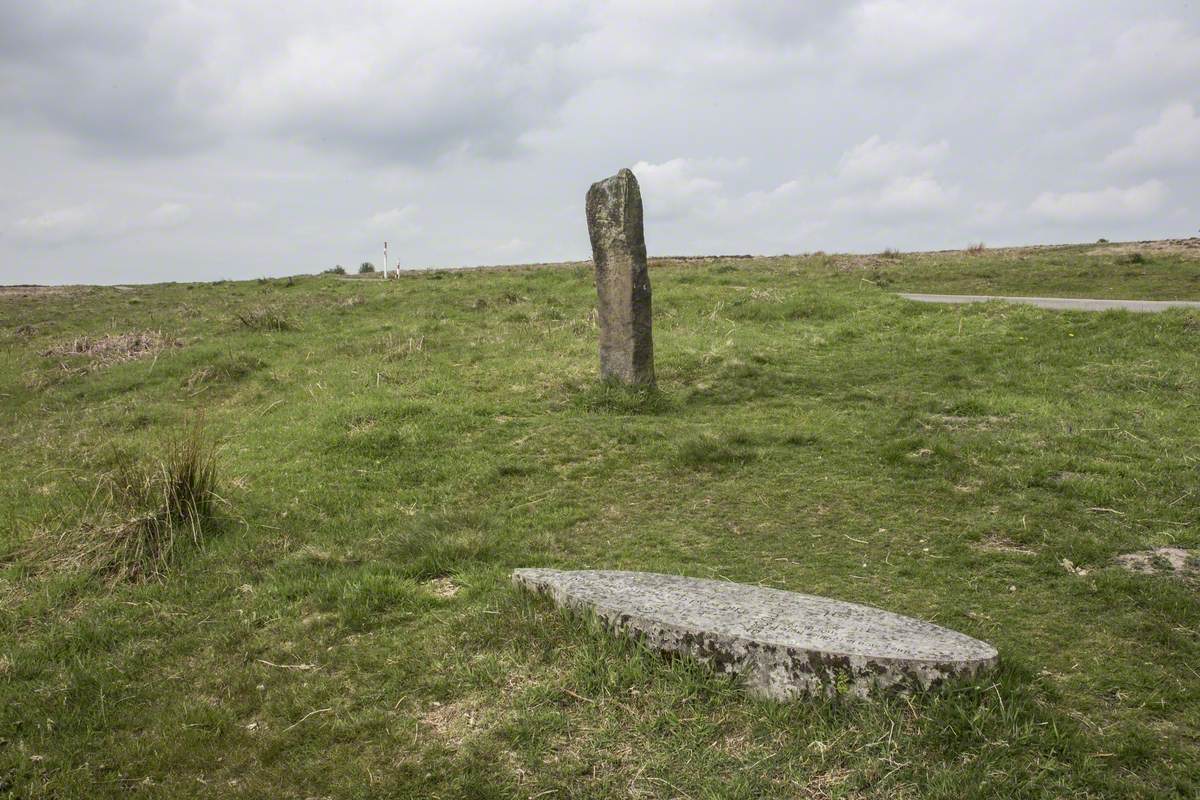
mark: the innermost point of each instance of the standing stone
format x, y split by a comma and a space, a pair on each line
614, 215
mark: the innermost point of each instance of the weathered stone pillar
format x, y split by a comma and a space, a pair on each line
614, 215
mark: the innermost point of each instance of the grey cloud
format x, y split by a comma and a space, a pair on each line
466, 132
116, 79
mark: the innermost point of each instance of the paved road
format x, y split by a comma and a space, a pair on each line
1062, 303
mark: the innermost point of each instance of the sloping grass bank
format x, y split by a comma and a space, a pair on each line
389, 454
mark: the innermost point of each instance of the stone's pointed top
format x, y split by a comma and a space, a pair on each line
785, 644
623, 174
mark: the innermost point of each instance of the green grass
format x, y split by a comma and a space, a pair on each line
389, 454
1122, 272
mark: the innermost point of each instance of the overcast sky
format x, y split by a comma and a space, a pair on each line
148, 140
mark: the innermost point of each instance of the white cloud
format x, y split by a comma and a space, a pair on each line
167, 215
877, 159
988, 213
81, 223
73, 223
393, 217
394, 224
1174, 140
1110, 203
676, 188
902, 196
1161, 48
898, 34
915, 193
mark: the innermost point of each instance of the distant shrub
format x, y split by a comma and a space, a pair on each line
1102, 240
890, 252
976, 248
1133, 258
335, 270
365, 268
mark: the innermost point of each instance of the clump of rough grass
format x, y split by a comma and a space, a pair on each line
614, 397
976, 248
149, 513
227, 369
265, 318
890, 252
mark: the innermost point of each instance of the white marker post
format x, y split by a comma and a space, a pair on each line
385, 261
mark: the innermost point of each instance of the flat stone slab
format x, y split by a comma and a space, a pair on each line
783, 644
1059, 303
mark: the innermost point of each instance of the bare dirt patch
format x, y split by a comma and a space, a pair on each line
111, 348
443, 587
452, 723
1175, 562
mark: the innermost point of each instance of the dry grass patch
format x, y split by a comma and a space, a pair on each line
111, 348
1188, 248
1001, 544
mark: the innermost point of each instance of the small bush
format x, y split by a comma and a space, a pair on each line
365, 267
890, 252
976, 248
335, 270
1133, 258
263, 318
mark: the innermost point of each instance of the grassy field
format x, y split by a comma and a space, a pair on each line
388, 451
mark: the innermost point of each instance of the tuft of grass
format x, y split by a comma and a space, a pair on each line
265, 318
714, 452
227, 369
616, 398
890, 252
977, 248
150, 512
